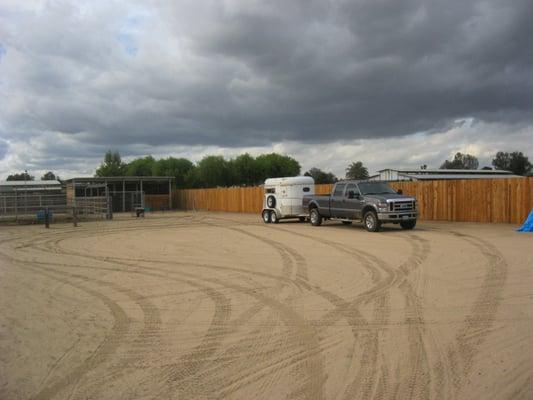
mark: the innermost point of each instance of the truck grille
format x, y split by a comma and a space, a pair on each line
400, 206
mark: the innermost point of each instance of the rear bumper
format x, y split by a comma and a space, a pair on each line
397, 216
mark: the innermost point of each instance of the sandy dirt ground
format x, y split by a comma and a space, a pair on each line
215, 305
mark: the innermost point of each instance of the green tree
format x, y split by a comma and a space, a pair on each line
144, 166
275, 165
49, 176
112, 165
23, 176
461, 161
179, 168
356, 170
320, 176
213, 171
516, 162
192, 179
244, 170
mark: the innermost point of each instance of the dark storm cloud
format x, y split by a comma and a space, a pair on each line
367, 69
239, 74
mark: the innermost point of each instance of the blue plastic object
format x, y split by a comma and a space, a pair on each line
40, 215
528, 225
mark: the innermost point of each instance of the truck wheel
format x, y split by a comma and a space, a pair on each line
266, 216
372, 224
408, 224
346, 222
271, 202
274, 217
315, 217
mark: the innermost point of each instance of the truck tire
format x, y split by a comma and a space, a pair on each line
408, 224
274, 217
315, 217
371, 222
266, 216
271, 202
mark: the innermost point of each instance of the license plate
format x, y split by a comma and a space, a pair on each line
405, 217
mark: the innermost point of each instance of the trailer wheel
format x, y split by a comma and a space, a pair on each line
266, 216
315, 217
274, 217
271, 202
372, 224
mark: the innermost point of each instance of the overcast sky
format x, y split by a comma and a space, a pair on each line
391, 83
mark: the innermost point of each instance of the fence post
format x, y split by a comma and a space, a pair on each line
46, 218
75, 216
109, 206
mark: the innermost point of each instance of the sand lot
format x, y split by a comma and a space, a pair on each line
217, 305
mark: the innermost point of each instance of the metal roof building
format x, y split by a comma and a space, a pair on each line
408, 174
29, 186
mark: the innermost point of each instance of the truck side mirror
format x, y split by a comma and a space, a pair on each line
399, 191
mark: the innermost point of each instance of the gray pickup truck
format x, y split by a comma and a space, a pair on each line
371, 202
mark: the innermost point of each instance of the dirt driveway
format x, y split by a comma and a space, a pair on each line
214, 305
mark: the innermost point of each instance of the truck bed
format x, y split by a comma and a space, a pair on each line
322, 200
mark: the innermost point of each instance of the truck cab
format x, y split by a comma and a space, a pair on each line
372, 202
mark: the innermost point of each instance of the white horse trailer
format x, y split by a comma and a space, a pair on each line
283, 198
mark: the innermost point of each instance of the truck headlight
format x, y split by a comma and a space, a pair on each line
382, 207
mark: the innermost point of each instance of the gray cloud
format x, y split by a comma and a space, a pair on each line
252, 74
3, 149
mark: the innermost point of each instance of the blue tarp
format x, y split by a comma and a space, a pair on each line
528, 225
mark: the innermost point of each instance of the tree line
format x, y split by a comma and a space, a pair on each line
516, 162
24, 176
246, 170
210, 171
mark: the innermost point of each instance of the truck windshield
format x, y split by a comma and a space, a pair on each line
375, 188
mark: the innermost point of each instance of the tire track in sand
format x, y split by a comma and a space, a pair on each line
479, 320
341, 309
287, 315
190, 361
364, 381
105, 348
418, 383
313, 364
282, 281
362, 386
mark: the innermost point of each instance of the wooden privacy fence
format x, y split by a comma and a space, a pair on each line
470, 200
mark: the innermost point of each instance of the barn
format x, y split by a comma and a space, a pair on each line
126, 192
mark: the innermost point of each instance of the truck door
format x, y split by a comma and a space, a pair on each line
353, 203
336, 201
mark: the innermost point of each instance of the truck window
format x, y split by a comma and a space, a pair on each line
375, 188
339, 189
352, 187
